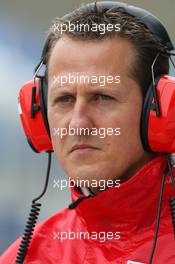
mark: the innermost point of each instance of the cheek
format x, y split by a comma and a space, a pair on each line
55, 124
134, 119
128, 120
56, 120
130, 136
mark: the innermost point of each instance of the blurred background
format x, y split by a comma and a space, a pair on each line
23, 27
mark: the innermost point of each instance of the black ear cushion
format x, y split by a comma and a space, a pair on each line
43, 101
146, 108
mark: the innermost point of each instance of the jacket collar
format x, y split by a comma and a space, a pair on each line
131, 206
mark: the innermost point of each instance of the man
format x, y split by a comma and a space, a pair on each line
115, 225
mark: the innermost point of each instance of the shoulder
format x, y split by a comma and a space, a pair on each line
43, 233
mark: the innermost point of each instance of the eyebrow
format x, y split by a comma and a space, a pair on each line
113, 91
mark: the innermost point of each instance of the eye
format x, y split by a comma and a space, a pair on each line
64, 98
103, 97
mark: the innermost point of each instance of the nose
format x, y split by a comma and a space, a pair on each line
81, 116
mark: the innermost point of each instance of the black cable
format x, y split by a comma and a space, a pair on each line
170, 169
158, 216
172, 199
32, 220
74, 204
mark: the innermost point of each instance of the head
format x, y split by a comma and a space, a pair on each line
127, 56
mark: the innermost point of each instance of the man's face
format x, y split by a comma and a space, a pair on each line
86, 105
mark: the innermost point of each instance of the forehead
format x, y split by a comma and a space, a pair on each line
107, 56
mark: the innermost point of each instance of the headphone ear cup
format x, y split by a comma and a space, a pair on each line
158, 132
32, 116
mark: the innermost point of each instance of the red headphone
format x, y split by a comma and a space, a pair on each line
157, 128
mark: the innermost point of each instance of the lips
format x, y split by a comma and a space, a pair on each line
81, 147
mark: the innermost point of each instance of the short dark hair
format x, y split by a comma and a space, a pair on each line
145, 44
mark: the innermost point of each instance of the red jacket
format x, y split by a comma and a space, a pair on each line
130, 209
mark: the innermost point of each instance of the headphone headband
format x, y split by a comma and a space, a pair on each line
151, 21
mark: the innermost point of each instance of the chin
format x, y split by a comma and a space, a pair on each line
89, 172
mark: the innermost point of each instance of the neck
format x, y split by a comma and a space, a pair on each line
127, 174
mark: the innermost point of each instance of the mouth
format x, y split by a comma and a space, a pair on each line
83, 148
